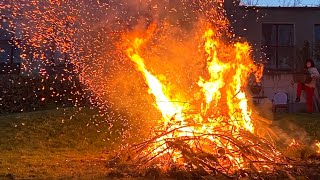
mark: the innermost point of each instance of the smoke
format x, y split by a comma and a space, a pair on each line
283, 129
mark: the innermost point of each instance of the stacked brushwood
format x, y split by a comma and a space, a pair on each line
206, 155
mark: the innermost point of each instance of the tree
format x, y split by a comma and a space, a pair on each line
289, 2
316, 51
250, 2
303, 53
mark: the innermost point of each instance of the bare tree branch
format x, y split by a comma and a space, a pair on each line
250, 2
287, 3
296, 2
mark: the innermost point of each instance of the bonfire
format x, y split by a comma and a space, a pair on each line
213, 132
208, 126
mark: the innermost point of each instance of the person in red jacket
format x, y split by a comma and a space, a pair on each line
308, 87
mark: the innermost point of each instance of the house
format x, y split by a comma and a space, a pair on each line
282, 38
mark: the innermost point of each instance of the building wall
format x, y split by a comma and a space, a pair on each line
283, 82
250, 19
247, 23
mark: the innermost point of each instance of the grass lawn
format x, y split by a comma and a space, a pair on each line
302, 124
50, 144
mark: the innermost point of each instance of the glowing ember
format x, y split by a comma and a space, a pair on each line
294, 143
318, 146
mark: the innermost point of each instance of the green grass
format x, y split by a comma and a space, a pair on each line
302, 124
50, 144
52, 129
303, 128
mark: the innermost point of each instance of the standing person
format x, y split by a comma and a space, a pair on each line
308, 87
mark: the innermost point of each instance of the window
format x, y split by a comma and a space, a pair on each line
317, 33
5, 47
278, 46
5, 31
317, 42
9, 55
5, 54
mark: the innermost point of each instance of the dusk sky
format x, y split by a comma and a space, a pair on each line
276, 2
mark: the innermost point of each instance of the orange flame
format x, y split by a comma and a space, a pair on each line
164, 103
225, 101
230, 77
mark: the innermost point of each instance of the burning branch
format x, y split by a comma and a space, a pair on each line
220, 152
